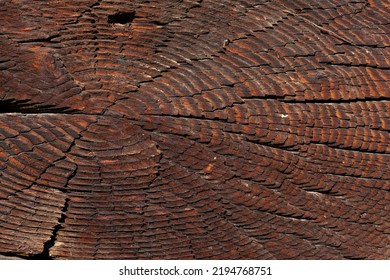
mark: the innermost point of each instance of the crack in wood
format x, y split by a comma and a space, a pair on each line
265, 137
49, 244
10, 106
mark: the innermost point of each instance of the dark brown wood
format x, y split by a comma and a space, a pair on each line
194, 129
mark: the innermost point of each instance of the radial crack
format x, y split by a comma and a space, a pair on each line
45, 254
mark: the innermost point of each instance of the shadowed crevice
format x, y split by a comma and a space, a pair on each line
26, 107
48, 39
45, 255
340, 101
121, 17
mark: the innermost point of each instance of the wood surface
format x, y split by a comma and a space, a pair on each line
185, 129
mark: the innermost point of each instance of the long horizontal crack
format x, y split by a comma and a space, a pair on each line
47, 39
356, 65
327, 101
23, 106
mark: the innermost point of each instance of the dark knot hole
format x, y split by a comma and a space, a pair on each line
121, 17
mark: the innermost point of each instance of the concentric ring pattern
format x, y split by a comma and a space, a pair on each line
195, 129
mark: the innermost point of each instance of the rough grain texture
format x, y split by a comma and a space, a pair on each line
195, 129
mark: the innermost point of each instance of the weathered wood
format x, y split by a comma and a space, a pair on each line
194, 129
